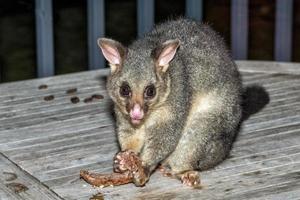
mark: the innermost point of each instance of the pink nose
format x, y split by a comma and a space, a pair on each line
136, 112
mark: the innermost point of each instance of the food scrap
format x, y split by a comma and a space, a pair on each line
43, 86
74, 100
104, 180
127, 166
10, 176
17, 187
98, 196
93, 97
88, 100
71, 91
49, 97
97, 96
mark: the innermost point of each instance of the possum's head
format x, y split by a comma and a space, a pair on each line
139, 81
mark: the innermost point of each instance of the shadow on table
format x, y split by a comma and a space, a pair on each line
255, 98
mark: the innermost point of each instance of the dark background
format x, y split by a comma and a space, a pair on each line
17, 30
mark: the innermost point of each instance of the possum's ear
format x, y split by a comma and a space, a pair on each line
164, 53
114, 52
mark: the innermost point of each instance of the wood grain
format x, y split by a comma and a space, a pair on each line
18, 184
52, 141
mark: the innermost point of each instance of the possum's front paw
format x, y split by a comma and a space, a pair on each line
126, 161
191, 178
141, 177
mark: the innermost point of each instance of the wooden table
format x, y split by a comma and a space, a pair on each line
44, 144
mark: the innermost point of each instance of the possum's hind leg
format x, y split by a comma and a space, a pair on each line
190, 158
207, 136
197, 155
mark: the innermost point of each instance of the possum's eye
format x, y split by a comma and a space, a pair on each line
150, 92
125, 90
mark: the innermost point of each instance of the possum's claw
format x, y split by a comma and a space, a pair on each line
191, 178
126, 161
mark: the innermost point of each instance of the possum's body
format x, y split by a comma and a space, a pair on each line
191, 122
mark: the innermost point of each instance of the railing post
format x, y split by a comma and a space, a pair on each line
283, 30
239, 29
145, 14
194, 9
96, 29
44, 35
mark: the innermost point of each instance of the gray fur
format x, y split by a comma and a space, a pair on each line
202, 65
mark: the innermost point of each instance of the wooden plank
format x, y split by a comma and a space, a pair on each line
216, 188
18, 184
269, 67
41, 105
244, 67
35, 83
254, 145
283, 30
257, 125
272, 81
279, 111
248, 67
239, 29
229, 165
44, 38
47, 147
256, 139
194, 9
283, 94
21, 141
282, 130
238, 160
77, 155
59, 97
52, 120
38, 99
23, 136
53, 142
145, 16
69, 175
69, 109
60, 90
264, 190
96, 29
257, 76
23, 158
293, 115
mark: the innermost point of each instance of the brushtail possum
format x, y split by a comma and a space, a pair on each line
177, 96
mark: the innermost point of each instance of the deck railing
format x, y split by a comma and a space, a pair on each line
145, 21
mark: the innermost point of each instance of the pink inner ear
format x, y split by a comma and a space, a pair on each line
111, 54
167, 55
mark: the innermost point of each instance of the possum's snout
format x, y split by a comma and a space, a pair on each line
136, 114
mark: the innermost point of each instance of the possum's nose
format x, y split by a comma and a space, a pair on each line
136, 114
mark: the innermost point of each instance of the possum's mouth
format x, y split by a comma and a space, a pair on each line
136, 121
